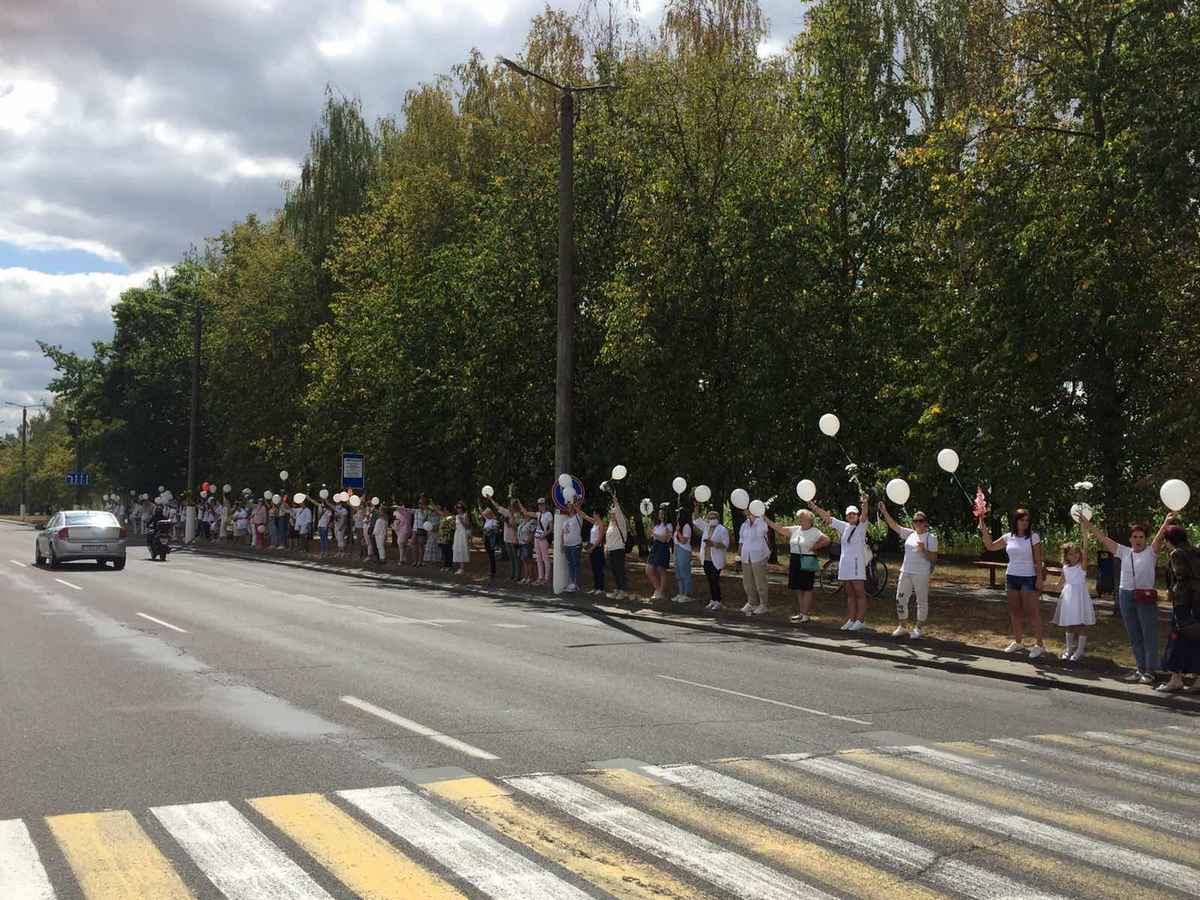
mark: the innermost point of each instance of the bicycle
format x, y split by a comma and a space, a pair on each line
877, 570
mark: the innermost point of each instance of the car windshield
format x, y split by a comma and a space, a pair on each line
91, 517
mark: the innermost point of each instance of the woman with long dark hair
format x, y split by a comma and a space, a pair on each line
1183, 591
660, 554
1023, 578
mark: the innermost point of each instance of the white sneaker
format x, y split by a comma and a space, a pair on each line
900, 631
849, 626
915, 633
859, 625
1146, 678
800, 619
1077, 655
1036, 650
761, 610
1066, 654
748, 608
1014, 647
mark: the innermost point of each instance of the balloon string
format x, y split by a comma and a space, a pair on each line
966, 496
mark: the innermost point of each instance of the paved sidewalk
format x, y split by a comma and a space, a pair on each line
1091, 676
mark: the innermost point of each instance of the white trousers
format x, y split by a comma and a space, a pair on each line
912, 586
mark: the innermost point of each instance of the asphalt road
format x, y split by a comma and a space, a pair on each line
501, 748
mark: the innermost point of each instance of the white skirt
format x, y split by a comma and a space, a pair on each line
1074, 607
461, 550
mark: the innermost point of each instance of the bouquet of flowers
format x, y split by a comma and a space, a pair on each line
980, 506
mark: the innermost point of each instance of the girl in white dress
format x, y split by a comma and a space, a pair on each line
461, 552
1075, 610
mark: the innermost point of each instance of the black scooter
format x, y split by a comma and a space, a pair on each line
158, 538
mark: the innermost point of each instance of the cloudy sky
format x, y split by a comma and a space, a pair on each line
131, 130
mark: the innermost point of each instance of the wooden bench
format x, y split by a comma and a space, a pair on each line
994, 567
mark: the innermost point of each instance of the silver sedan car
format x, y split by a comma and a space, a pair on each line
81, 534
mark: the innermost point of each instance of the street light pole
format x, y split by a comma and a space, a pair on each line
24, 407
189, 524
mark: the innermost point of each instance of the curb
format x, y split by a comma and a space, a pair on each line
1117, 692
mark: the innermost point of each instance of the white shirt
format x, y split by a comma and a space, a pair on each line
572, 531
803, 540
380, 527
1020, 554
710, 536
1140, 564
686, 542
914, 563
752, 539
614, 538
304, 520
544, 522
852, 564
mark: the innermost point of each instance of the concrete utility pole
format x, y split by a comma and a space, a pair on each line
189, 524
565, 368
24, 407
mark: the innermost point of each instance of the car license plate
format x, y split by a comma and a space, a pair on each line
95, 546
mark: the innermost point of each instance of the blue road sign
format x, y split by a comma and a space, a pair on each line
79, 479
354, 473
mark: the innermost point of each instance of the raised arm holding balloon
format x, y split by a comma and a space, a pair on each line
754, 553
804, 540
920, 553
852, 562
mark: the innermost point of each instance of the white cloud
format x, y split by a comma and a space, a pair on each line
25, 103
31, 239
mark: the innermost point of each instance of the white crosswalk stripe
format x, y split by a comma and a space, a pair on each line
236, 856
483, 861
1135, 743
22, 876
1017, 781
1101, 765
737, 874
861, 840
1131, 863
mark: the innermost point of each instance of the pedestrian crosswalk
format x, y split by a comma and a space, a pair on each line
1092, 814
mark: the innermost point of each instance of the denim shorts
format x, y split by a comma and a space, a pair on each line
1021, 582
526, 552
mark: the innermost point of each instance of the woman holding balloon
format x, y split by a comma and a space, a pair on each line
662, 537
920, 553
852, 563
1023, 578
754, 553
804, 540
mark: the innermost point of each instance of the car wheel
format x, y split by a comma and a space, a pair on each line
119, 564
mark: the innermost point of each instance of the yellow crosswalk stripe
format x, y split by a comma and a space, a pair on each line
1176, 738
1119, 832
113, 857
359, 858
1138, 757
809, 860
1019, 861
599, 861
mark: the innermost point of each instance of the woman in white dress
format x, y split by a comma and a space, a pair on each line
462, 538
1075, 610
852, 563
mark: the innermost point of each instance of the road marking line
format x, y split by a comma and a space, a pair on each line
815, 712
402, 620
1049, 809
164, 624
467, 852
68, 584
236, 856
1063, 756
21, 871
1145, 744
417, 728
112, 857
878, 847
730, 871
507, 625
1104, 854
1041, 787
602, 862
15, 563
357, 856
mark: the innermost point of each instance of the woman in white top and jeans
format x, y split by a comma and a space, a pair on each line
804, 540
1023, 578
852, 563
920, 553
1136, 594
683, 558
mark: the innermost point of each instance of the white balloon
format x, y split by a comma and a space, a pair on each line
1175, 494
161, 489
324, 494
568, 494
228, 488
646, 506
703, 493
619, 472
204, 495
267, 495
739, 498
488, 491
276, 499
374, 501
356, 501
948, 460
168, 496
679, 485
1079, 508
806, 490
299, 499
283, 475
829, 425
758, 508
897, 491
564, 481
